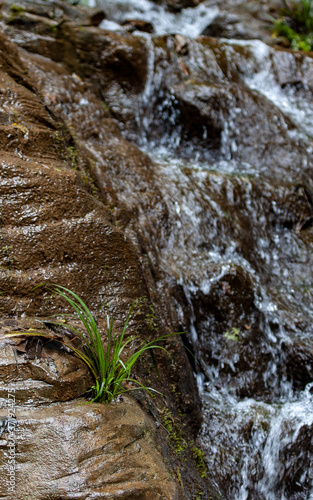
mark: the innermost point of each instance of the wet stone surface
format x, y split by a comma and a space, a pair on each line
72, 451
55, 227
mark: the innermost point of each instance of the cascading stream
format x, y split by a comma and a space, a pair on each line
189, 20
229, 126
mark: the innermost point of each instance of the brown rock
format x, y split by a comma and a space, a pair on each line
53, 375
53, 229
73, 451
137, 25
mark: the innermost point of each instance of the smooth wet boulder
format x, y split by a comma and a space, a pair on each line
72, 450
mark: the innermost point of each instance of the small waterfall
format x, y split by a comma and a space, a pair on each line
241, 428
144, 115
290, 438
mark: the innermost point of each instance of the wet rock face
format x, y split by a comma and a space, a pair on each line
297, 456
229, 329
41, 375
114, 64
195, 99
205, 107
49, 233
72, 451
215, 115
53, 228
285, 441
137, 25
244, 20
231, 26
47, 218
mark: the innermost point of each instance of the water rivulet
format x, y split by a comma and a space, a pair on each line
228, 125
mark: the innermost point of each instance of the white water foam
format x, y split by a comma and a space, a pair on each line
190, 21
297, 105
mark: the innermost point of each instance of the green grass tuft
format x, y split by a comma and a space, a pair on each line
296, 24
109, 370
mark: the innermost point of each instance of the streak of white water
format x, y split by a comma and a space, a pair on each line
294, 103
279, 441
289, 423
190, 21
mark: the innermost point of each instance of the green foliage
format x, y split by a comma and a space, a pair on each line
200, 461
296, 24
232, 334
296, 40
299, 13
17, 9
109, 370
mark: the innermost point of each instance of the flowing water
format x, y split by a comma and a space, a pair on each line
239, 247
191, 21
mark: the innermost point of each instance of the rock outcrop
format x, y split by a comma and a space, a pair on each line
73, 451
56, 227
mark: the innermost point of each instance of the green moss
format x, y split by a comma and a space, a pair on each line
149, 317
17, 9
200, 496
232, 334
106, 107
175, 434
179, 478
200, 461
72, 155
180, 446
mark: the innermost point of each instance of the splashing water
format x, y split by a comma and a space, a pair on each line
257, 422
190, 21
